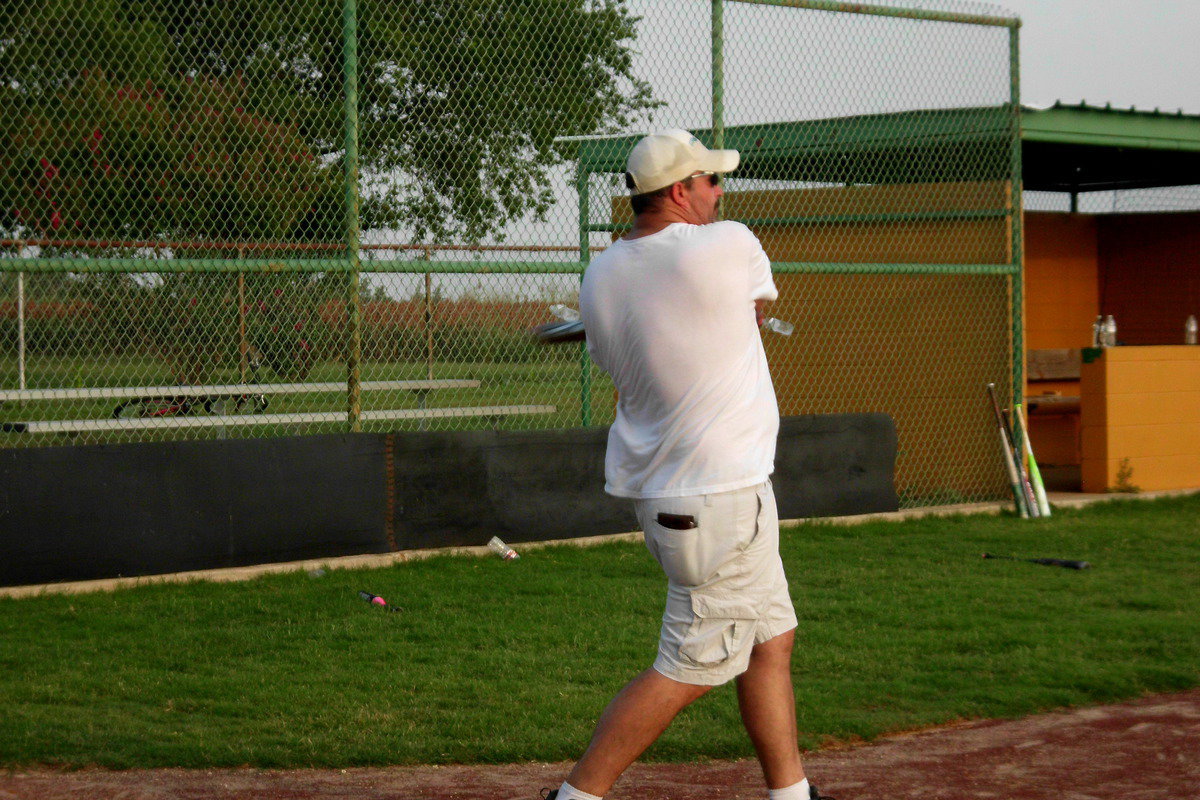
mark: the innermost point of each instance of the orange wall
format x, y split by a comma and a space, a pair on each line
1140, 410
1150, 274
1062, 289
1144, 269
1062, 299
1055, 438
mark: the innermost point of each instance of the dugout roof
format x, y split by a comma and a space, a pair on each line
1064, 148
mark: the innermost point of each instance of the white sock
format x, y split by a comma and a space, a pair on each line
797, 791
569, 792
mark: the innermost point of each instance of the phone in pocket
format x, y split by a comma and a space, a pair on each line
676, 522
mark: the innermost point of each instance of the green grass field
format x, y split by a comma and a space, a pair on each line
901, 625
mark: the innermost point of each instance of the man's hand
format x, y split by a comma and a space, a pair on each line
759, 314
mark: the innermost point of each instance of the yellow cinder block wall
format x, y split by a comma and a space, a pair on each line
1140, 416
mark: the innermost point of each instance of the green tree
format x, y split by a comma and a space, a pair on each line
202, 122
181, 160
460, 104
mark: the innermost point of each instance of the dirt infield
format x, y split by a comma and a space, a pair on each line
1147, 749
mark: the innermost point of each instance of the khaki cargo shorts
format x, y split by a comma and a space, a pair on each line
726, 590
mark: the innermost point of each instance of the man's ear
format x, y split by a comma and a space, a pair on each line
679, 195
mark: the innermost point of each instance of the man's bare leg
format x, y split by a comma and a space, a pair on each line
633, 720
768, 706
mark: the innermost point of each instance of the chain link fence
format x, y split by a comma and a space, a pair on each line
259, 218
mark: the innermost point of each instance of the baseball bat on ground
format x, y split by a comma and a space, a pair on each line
1010, 463
1035, 474
1050, 562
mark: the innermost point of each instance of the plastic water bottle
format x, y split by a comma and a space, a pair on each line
779, 326
1189, 330
1098, 331
565, 313
502, 550
1110, 331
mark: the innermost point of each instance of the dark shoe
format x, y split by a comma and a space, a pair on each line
549, 794
813, 794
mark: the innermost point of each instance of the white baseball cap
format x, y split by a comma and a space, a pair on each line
661, 159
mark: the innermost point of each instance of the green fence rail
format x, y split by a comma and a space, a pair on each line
265, 218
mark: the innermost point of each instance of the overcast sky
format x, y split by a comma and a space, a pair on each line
783, 64
1127, 52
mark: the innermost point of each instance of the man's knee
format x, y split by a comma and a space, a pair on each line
777, 649
682, 691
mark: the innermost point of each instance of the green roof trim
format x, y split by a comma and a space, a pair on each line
1110, 127
1084, 148
927, 145
1065, 148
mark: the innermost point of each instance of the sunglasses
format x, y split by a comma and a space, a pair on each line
713, 178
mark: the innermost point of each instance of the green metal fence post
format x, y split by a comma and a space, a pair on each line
585, 256
1017, 203
428, 317
718, 79
20, 330
718, 74
354, 301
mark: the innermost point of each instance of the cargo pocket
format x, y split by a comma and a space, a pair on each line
721, 630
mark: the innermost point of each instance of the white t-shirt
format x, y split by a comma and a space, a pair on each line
671, 317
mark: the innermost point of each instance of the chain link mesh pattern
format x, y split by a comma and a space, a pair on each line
263, 218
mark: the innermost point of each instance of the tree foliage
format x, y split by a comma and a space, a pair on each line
184, 119
181, 158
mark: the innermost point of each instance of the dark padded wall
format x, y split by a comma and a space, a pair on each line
832, 465
523, 486
77, 513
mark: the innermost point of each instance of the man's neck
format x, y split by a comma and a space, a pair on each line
654, 221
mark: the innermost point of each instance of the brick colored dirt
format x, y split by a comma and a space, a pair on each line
1147, 749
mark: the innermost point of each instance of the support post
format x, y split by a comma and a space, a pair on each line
353, 255
718, 74
243, 344
428, 317
585, 257
1018, 210
21, 330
